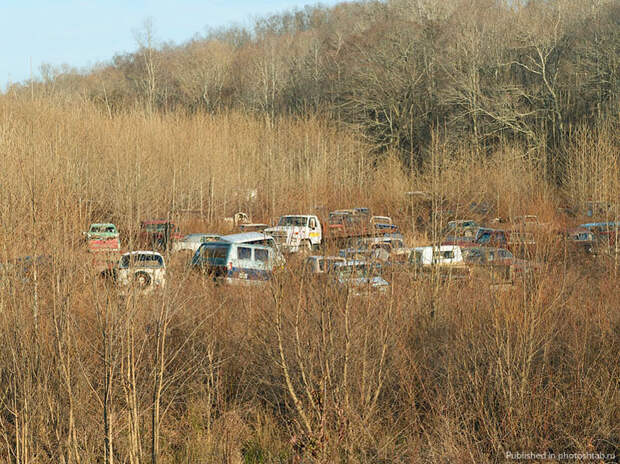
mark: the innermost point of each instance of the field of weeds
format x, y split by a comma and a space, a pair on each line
297, 370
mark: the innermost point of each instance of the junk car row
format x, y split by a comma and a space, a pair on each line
370, 247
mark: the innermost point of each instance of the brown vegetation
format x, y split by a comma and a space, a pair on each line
297, 371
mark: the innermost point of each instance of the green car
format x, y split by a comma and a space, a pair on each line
103, 237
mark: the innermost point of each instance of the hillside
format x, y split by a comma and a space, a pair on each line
486, 110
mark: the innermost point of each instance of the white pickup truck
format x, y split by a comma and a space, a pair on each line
297, 232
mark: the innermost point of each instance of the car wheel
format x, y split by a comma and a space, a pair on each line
142, 279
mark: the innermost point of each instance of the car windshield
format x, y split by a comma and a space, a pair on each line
102, 229
337, 218
298, 221
485, 238
142, 260
355, 270
157, 227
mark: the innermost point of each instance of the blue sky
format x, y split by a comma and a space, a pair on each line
81, 33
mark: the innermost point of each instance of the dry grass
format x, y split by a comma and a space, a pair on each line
296, 371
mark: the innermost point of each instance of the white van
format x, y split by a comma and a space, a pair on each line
258, 238
235, 263
447, 259
444, 255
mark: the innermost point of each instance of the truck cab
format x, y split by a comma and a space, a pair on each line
297, 232
159, 233
102, 237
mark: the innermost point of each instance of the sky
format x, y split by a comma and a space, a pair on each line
82, 33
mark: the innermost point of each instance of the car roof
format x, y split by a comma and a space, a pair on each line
217, 243
245, 237
142, 252
343, 211
229, 244
440, 248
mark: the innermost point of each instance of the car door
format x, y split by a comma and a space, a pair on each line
244, 263
263, 263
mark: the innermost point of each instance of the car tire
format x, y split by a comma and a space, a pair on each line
142, 279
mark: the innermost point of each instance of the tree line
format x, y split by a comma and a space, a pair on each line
480, 71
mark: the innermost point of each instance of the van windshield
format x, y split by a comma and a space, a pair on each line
215, 252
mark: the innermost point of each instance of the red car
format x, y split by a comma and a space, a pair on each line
516, 241
159, 233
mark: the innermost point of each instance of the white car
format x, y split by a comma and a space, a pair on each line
145, 270
192, 242
315, 265
361, 277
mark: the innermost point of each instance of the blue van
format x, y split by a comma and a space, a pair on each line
235, 263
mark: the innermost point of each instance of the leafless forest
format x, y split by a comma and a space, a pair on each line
510, 104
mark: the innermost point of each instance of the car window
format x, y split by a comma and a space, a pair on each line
448, 254
244, 253
141, 260
215, 252
261, 255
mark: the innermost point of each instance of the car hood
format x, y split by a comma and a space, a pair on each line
101, 235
